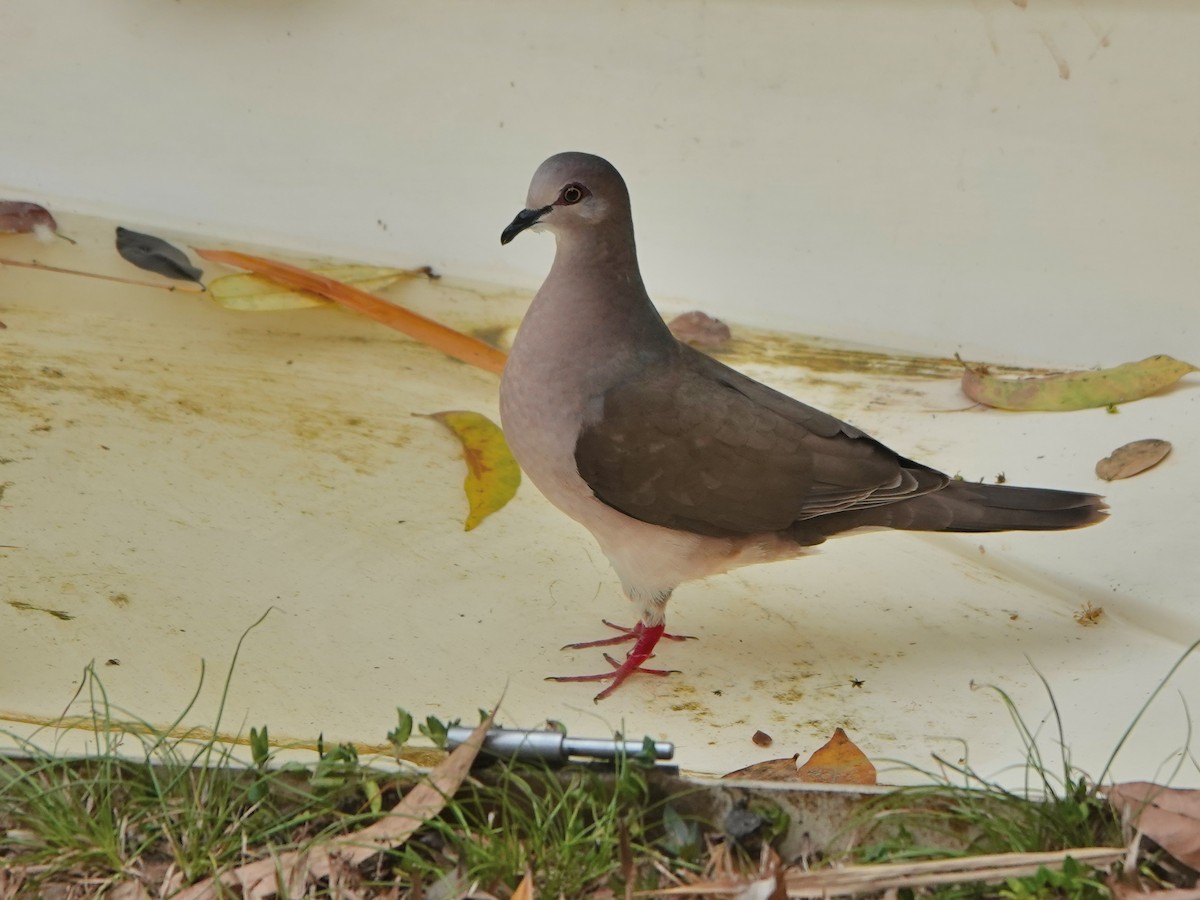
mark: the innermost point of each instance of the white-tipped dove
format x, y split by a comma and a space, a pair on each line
680, 466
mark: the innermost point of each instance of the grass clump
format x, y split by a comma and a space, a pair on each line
167, 808
961, 812
577, 830
171, 807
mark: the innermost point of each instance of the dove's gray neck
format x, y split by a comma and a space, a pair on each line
596, 284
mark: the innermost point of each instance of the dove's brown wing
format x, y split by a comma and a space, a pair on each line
691, 444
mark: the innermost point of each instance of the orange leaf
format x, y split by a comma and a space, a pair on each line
838, 762
452, 343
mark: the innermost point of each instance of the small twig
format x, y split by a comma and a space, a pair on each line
185, 286
878, 877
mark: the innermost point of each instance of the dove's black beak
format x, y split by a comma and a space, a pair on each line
524, 219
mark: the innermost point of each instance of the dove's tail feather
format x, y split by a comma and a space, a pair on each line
966, 507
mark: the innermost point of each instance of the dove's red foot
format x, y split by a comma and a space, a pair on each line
628, 634
642, 651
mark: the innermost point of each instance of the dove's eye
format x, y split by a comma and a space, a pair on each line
572, 194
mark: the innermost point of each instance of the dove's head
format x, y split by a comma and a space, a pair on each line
572, 191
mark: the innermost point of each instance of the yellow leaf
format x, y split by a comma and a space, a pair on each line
254, 293
1074, 390
492, 474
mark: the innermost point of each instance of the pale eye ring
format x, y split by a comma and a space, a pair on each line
572, 194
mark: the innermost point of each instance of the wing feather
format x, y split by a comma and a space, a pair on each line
694, 445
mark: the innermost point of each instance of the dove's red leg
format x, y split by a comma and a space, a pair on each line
643, 650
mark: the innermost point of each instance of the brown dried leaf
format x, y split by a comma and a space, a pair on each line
524, 890
1133, 459
1168, 816
126, 890
769, 770
838, 762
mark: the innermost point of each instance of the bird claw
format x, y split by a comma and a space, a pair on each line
626, 635
640, 653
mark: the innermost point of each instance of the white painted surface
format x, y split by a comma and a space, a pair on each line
914, 175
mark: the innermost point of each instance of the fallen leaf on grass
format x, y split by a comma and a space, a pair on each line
126, 890
23, 217
1133, 459
524, 890
155, 255
1074, 390
838, 762
254, 293
493, 476
452, 343
1168, 816
261, 879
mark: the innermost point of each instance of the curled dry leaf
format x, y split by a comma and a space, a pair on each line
1133, 459
255, 293
700, 330
769, 770
493, 476
155, 255
1168, 816
1074, 390
23, 217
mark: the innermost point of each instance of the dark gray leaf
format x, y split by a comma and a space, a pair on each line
155, 255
